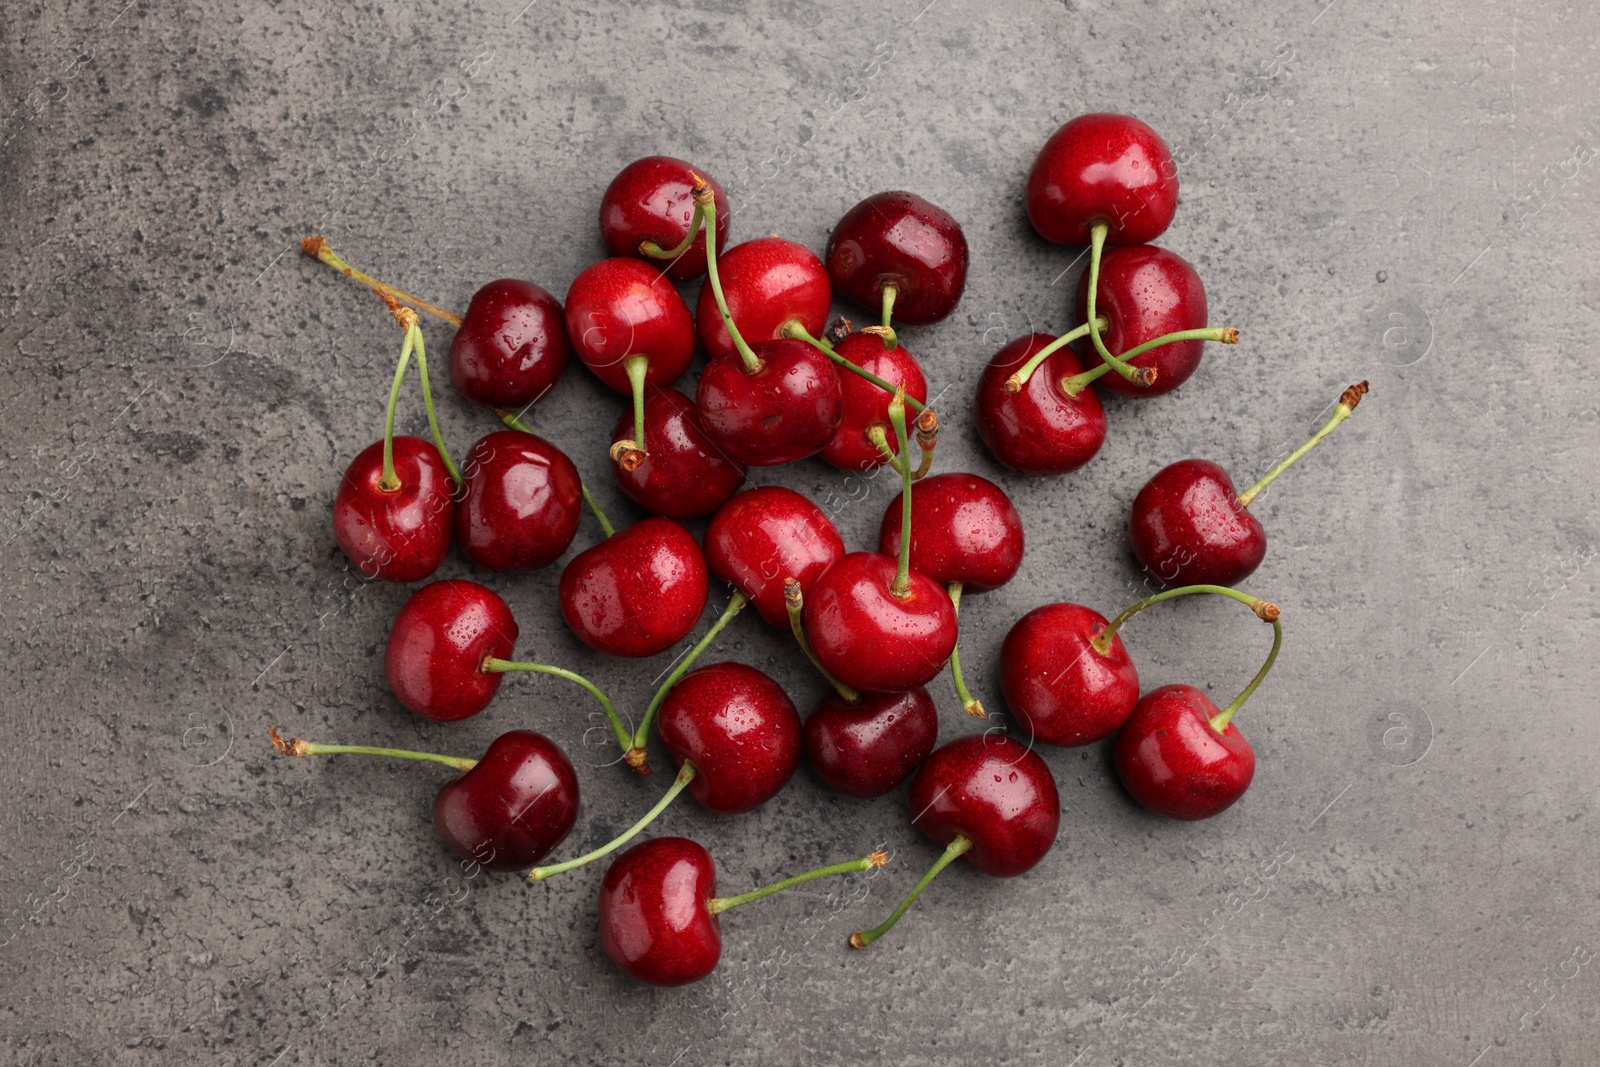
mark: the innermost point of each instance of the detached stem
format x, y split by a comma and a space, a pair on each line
1097, 244
1265, 610
1220, 720
390, 482
795, 329
1347, 404
1020, 376
317, 248
296, 747
901, 587
718, 905
970, 704
863, 938
704, 200
679, 784
654, 251
794, 601
491, 665
640, 736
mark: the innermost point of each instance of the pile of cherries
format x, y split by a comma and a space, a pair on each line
781, 385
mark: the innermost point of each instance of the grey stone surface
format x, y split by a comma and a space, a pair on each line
1404, 193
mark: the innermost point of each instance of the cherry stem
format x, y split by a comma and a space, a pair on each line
927, 440
794, 601
1220, 720
886, 330
1074, 384
390, 481
795, 329
511, 420
655, 251
1265, 610
427, 402
679, 784
863, 938
491, 665
900, 589
317, 248
736, 604
880, 438
1097, 243
637, 367
704, 200
718, 905
970, 704
1347, 405
296, 747
1020, 376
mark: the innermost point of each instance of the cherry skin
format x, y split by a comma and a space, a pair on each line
866, 749
437, 645
963, 529
872, 640
1174, 762
511, 347
621, 307
766, 535
995, 792
652, 199
1146, 292
739, 729
522, 502
400, 536
638, 592
684, 475
866, 404
767, 283
508, 812
1040, 430
1187, 527
787, 410
1103, 168
1059, 688
899, 239
655, 919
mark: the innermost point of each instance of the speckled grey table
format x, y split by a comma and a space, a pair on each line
1406, 195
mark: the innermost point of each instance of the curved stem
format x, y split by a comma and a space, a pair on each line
718, 905
736, 604
491, 665
679, 784
901, 587
1220, 720
1347, 404
318, 249
390, 482
970, 704
637, 367
886, 329
1097, 244
1073, 384
794, 601
594, 506
655, 251
1020, 376
296, 747
880, 438
927, 440
795, 329
1265, 610
863, 938
427, 402
704, 200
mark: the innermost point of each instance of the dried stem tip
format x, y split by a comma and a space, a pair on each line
839, 330
878, 331
1352, 396
878, 858
855, 940
627, 455
313, 246
1230, 336
927, 428
1266, 610
792, 594
638, 759
292, 747
702, 190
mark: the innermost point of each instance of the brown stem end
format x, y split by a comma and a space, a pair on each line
856, 940
839, 330
1230, 336
292, 747
313, 246
878, 858
975, 709
1352, 396
638, 760
1266, 611
628, 455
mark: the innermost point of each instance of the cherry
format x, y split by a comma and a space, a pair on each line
1063, 684
1107, 169
638, 592
511, 347
658, 916
648, 211
988, 799
1147, 292
864, 438
964, 528
780, 404
401, 534
900, 254
1188, 526
766, 284
1038, 428
685, 475
766, 535
866, 749
504, 812
522, 502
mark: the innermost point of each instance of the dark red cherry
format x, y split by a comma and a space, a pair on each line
652, 199
995, 792
766, 282
400, 536
508, 812
871, 639
766, 535
1187, 527
655, 922
684, 475
866, 404
1175, 762
866, 749
963, 529
899, 239
1039, 430
739, 729
1103, 168
437, 646
1146, 292
638, 592
511, 347
787, 410
1061, 690
619, 308
522, 502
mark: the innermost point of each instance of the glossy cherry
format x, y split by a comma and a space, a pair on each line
964, 528
650, 204
399, 536
1061, 688
787, 407
767, 283
866, 749
511, 347
685, 475
871, 639
739, 729
866, 404
766, 535
897, 251
638, 592
1040, 429
437, 646
522, 502
1145, 293
1174, 762
1103, 168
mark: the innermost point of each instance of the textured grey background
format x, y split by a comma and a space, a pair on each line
1403, 195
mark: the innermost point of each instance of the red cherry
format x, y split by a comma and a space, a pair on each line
1060, 688
786, 410
1187, 527
400, 536
1038, 430
654, 919
766, 282
517, 804
638, 592
652, 199
1103, 168
866, 404
1175, 762
766, 535
739, 729
1146, 292
899, 240
685, 475
511, 347
522, 502
963, 529
866, 749
871, 639
437, 645
619, 308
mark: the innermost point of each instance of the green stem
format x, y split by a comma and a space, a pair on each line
735, 605
654, 250
1220, 720
901, 588
704, 200
1227, 335
718, 905
863, 938
795, 329
318, 249
491, 665
679, 784
970, 704
1266, 610
1097, 244
890, 339
1347, 404
794, 602
1020, 376
637, 367
390, 482
296, 747
880, 438
427, 402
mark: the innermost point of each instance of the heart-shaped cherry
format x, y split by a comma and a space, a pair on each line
649, 212
865, 439
1103, 169
1066, 679
685, 476
511, 347
986, 798
897, 253
638, 592
522, 502
504, 812
1188, 527
868, 748
768, 534
1039, 427
766, 284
